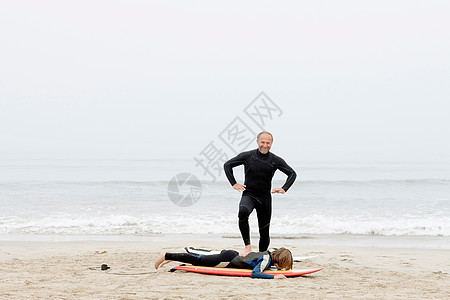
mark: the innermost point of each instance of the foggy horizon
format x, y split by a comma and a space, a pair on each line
355, 81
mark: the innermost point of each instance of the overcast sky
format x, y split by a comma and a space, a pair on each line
355, 80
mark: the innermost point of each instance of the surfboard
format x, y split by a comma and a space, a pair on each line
240, 272
302, 258
200, 251
209, 251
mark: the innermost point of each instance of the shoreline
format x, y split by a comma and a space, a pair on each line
343, 240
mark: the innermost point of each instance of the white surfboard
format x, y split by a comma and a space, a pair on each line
302, 258
200, 251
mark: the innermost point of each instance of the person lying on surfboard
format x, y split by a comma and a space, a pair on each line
256, 261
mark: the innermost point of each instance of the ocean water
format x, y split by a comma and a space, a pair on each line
118, 199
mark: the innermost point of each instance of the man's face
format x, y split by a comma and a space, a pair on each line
264, 143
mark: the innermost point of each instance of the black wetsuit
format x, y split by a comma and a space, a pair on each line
256, 261
259, 170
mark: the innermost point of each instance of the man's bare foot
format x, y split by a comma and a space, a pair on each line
246, 251
161, 258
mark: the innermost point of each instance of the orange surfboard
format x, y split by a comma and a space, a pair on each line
241, 272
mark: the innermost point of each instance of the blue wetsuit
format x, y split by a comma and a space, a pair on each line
259, 170
256, 261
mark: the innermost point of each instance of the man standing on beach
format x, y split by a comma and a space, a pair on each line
259, 166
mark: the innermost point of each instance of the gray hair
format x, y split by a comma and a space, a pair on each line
264, 132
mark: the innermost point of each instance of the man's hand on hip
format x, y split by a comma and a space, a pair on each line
278, 190
239, 187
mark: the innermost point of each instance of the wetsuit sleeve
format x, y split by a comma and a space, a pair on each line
290, 173
229, 165
263, 264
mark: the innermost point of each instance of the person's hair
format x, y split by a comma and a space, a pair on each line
264, 132
283, 257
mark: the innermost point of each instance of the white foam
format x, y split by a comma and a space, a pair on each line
218, 224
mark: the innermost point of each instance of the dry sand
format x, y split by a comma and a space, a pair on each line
71, 270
